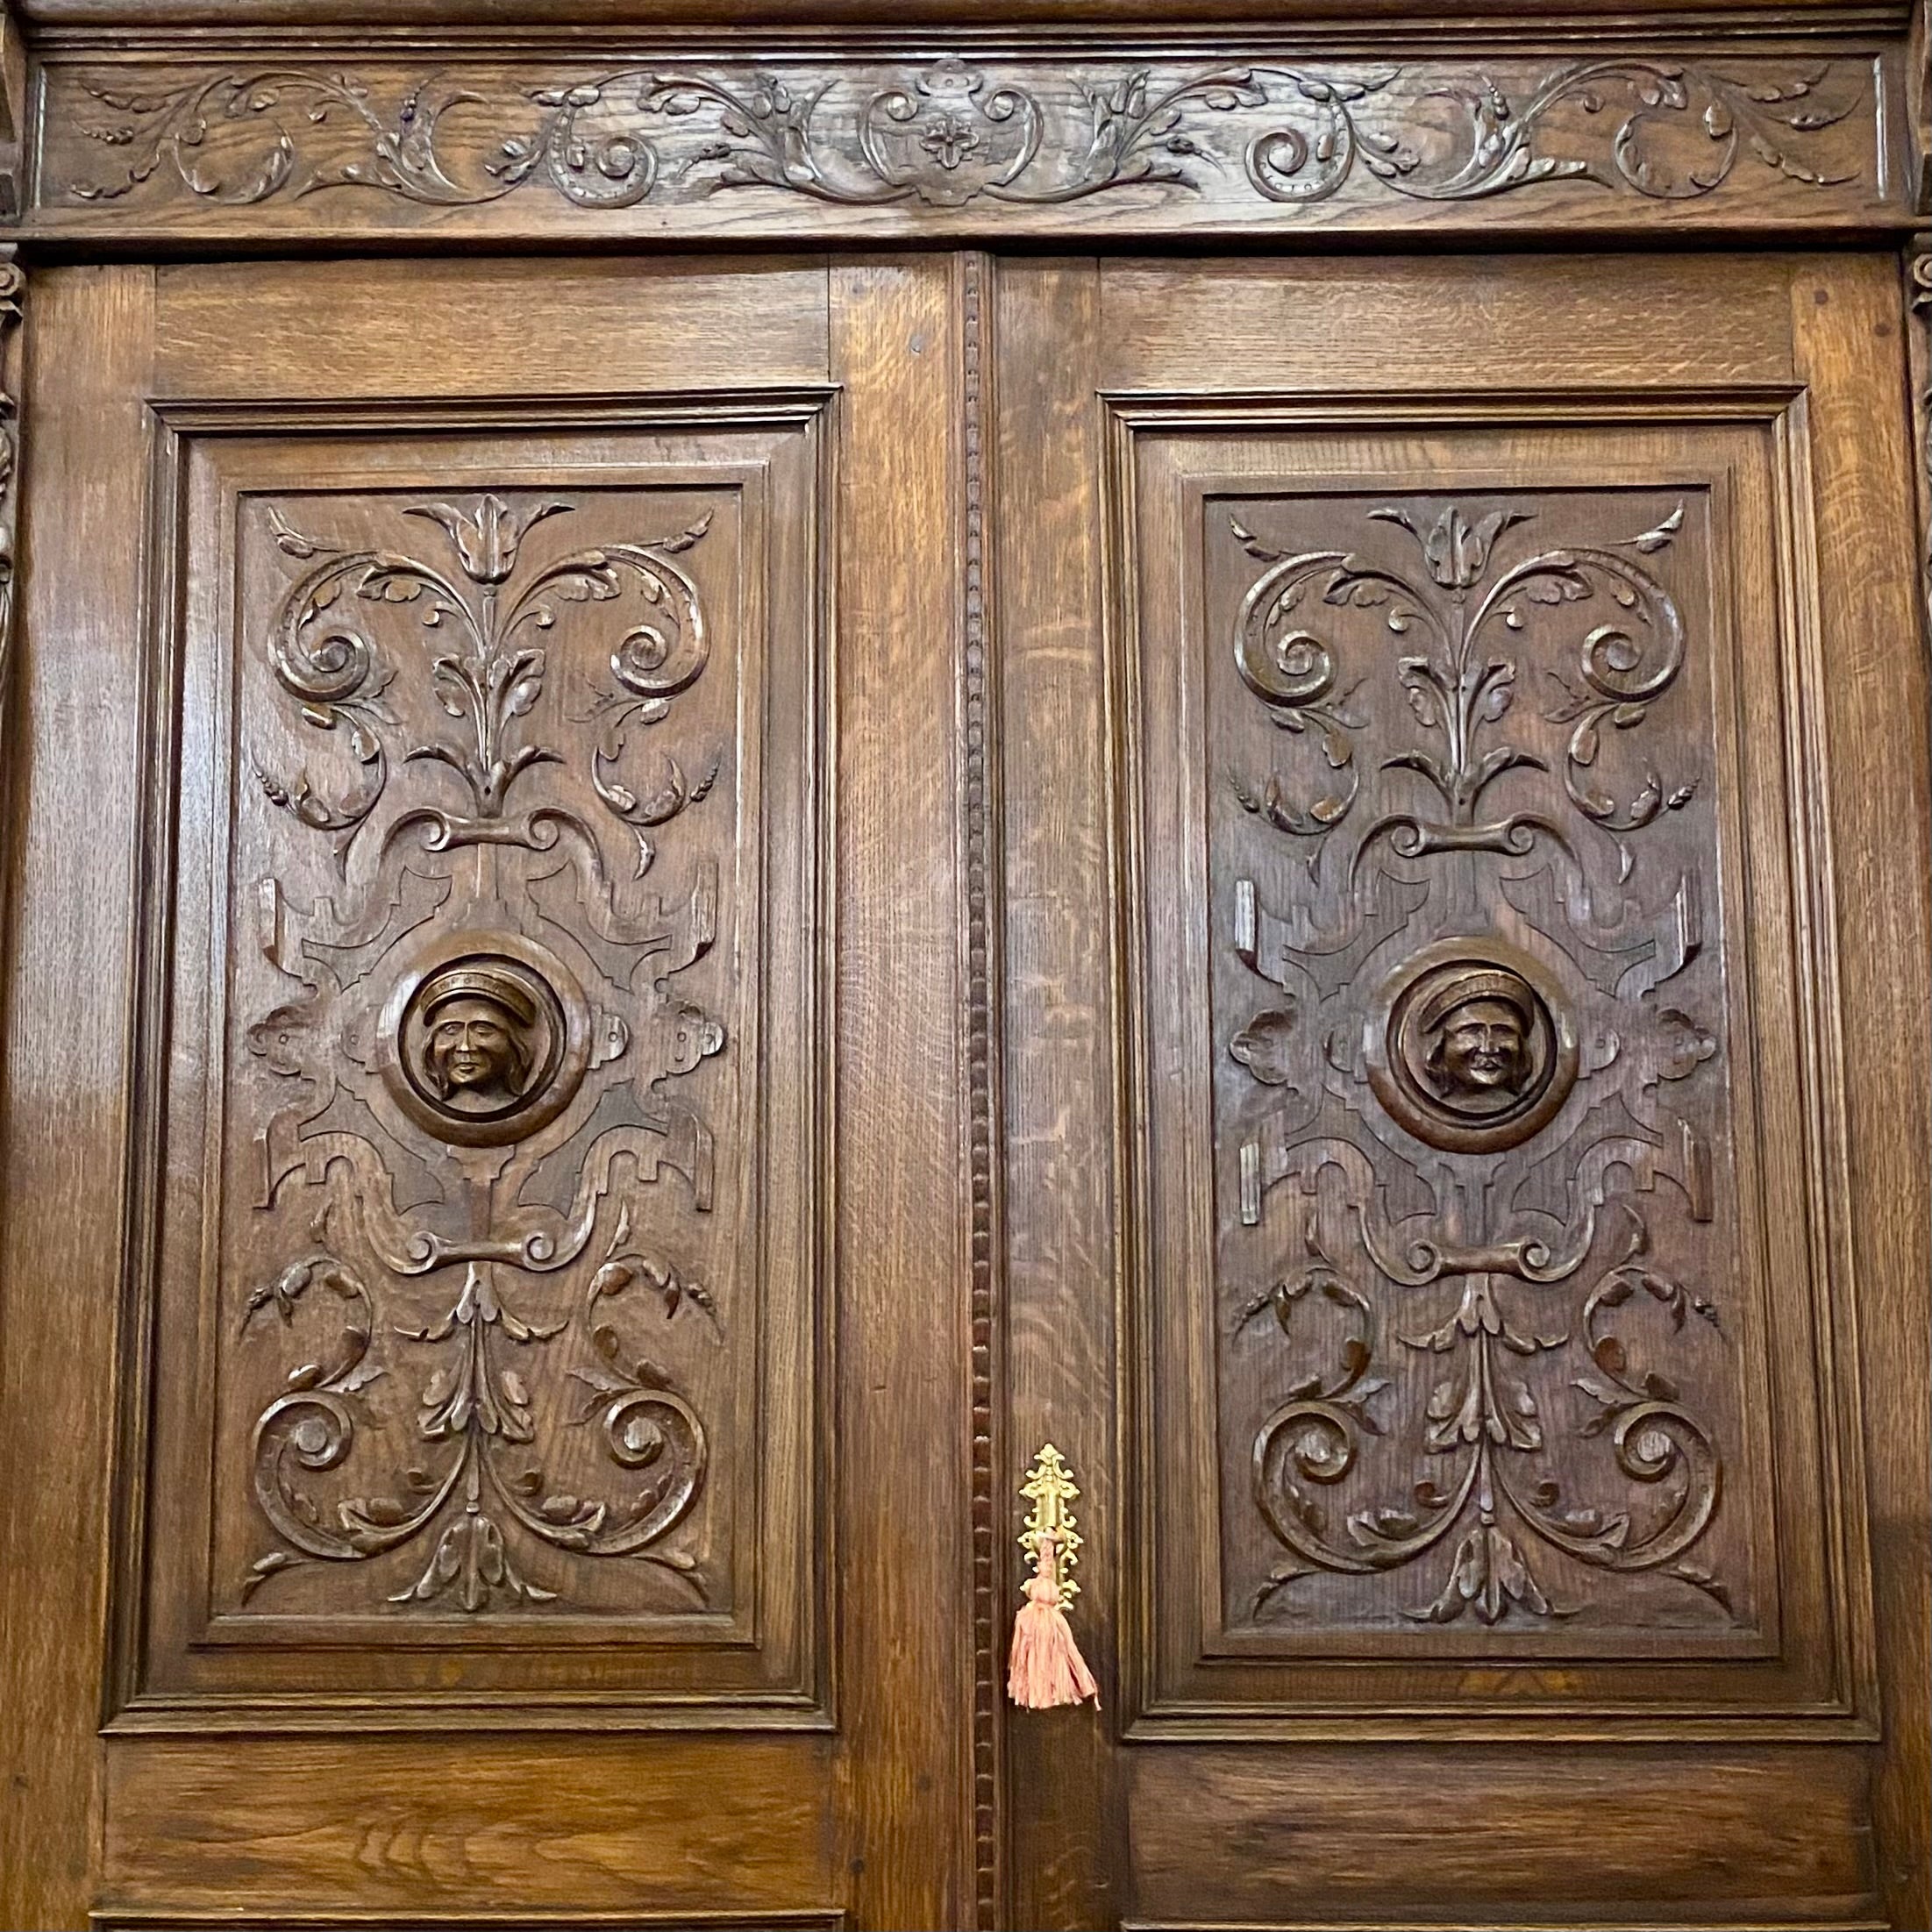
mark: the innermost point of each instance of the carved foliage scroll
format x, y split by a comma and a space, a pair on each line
504, 1218
488, 949
1474, 1075
1277, 134
13, 284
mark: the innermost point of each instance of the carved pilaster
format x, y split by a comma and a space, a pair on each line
981, 935
1919, 99
11, 285
13, 116
1919, 274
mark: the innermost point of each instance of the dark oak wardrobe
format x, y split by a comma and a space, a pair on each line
768, 766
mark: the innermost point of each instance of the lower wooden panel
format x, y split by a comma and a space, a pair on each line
1573, 1835
116, 1920
1497, 1925
401, 1833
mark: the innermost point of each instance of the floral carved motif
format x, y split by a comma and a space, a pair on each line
948, 132
1481, 1213
488, 996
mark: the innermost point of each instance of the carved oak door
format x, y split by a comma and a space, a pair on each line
488, 760
1466, 1058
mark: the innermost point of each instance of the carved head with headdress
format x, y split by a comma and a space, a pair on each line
1476, 1031
478, 1023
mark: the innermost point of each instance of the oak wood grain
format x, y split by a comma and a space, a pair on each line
981, 484
1059, 1125
680, 327
1862, 454
77, 715
1556, 1837
406, 1804
590, 1825
902, 1340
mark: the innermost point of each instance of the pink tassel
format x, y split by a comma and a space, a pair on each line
1045, 1667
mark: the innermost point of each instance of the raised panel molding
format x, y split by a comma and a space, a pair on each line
161, 1919
483, 1298
968, 140
1482, 1210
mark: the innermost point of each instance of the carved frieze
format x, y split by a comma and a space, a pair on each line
1016, 140
1920, 265
13, 285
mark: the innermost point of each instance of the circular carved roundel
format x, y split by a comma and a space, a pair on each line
1471, 1045
484, 1039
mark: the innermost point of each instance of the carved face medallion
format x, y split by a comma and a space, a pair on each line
484, 1040
1470, 1047
478, 1025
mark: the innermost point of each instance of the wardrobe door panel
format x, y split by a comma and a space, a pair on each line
470, 819
1463, 1318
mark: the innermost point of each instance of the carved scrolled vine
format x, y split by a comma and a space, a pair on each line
1487, 1420
1460, 691
1765, 118
1292, 671
948, 133
323, 656
1921, 298
174, 130
476, 1410
310, 1428
654, 661
1466, 1158
13, 284
479, 1020
1627, 662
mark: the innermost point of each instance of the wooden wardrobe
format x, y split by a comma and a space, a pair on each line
795, 786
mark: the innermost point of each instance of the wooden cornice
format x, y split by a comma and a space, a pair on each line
170, 123
1119, 16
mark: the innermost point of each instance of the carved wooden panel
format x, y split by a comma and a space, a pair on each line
485, 1307
699, 141
1488, 1317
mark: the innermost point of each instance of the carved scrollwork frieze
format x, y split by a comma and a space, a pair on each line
1919, 267
1019, 140
12, 290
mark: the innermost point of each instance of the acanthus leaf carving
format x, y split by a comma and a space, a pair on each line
1481, 1138
948, 133
472, 1020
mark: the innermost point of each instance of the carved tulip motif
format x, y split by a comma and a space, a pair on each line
1511, 927
456, 1036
